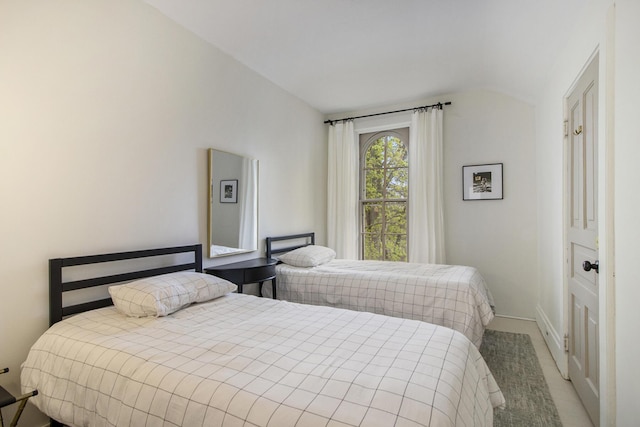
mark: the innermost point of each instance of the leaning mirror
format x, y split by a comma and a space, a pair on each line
233, 204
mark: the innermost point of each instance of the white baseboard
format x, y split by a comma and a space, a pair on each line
515, 317
554, 340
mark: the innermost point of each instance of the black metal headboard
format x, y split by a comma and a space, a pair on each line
306, 239
57, 287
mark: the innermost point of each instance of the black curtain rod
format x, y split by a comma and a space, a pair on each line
439, 105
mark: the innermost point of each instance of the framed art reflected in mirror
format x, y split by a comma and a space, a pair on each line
229, 191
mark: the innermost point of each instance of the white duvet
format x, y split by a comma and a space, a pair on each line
454, 296
245, 361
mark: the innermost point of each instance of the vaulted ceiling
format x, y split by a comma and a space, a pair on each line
346, 55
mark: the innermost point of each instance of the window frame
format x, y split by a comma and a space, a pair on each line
366, 140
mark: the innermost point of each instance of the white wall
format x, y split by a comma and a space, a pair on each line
627, 209
107, 110
592, 34
497, 237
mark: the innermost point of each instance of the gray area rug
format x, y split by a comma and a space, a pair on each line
513, 362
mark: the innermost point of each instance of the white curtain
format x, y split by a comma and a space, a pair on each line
342, 191
426, 217
248, 204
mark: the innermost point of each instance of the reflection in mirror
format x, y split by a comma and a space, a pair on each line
233, 204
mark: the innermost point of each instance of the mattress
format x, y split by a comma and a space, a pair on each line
454, 296
240, 360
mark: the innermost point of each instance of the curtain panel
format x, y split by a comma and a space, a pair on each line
342, 191
426, 200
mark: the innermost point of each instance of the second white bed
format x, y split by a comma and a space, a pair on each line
448, 295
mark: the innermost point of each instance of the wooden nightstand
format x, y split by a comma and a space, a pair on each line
256, 270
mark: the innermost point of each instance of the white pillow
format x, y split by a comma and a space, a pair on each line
153, 296
210, 287
308, 256
168, 293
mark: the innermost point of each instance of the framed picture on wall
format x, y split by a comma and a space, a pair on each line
482, 182
229, 191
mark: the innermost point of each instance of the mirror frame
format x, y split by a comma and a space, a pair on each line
237, 186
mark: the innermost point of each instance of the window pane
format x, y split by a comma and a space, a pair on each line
396, 247
372, 218
396, 218
397, 155
374, 183
397, 180
372, 247
375, 155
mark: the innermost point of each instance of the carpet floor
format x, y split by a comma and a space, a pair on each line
514, 364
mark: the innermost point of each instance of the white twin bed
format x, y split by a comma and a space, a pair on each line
183, 350
454, 296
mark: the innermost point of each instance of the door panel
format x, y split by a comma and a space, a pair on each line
593, 371
576, 190
590, 157
575, 349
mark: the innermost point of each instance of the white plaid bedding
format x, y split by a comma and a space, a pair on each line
247, 361
448, 295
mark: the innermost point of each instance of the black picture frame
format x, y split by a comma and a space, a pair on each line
482, 182
229, 191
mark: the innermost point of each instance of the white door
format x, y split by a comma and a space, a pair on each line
582, 239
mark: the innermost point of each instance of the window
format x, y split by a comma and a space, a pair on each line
384, 185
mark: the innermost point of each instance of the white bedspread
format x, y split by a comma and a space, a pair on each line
247, 361
448, 295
